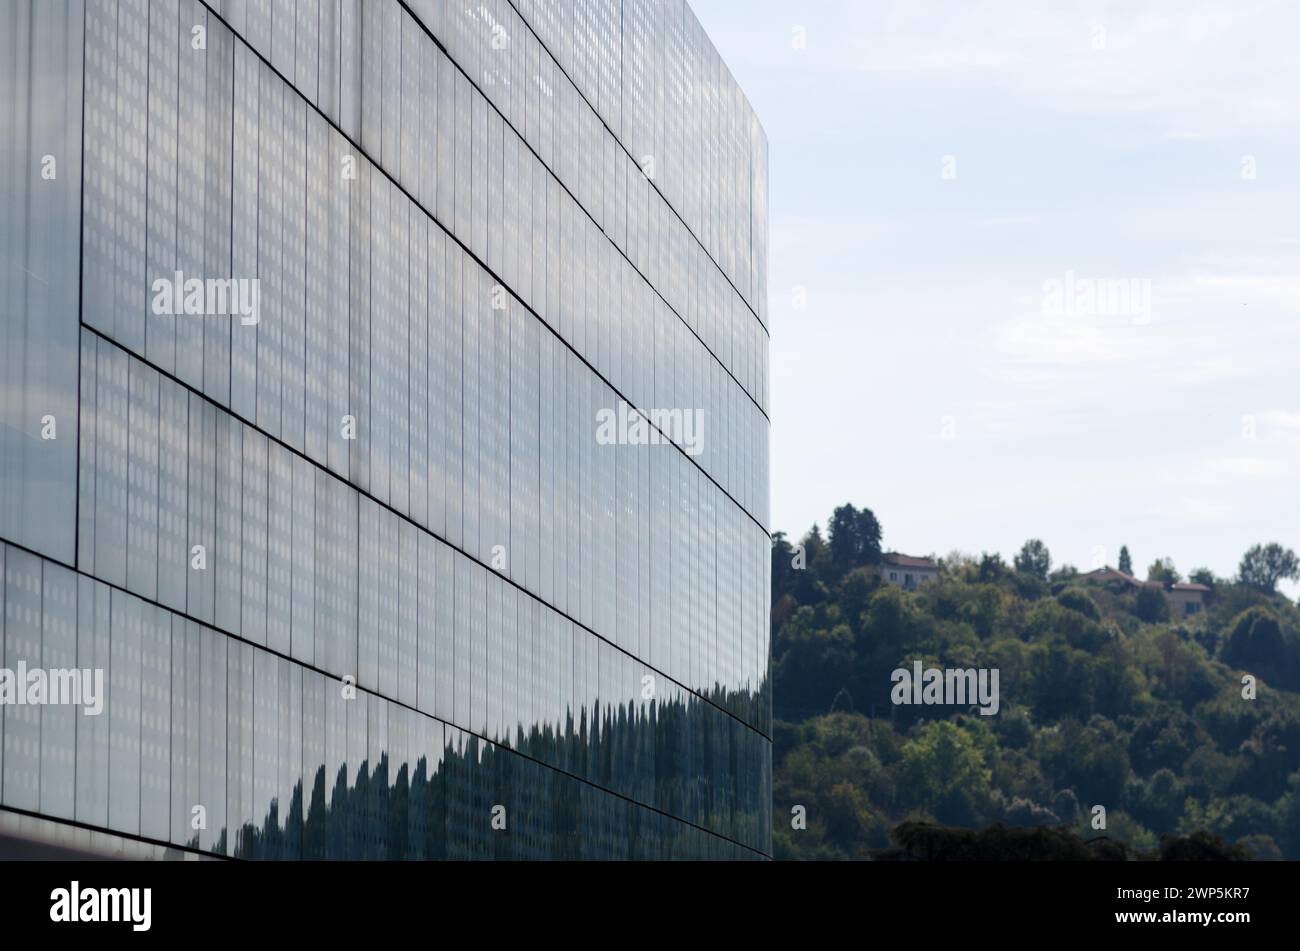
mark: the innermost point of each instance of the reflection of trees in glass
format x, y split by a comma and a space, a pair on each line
661, 759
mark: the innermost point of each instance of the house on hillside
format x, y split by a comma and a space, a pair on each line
908, 571
1185, 598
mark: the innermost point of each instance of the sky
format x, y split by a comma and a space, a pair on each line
1034, 270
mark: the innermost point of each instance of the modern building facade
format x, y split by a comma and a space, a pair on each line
312, 312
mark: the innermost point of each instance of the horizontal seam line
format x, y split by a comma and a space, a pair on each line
406, 518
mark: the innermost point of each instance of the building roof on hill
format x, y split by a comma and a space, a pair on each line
908, 561
1110, 574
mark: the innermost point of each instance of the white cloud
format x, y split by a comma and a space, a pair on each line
1258, 289
1057, 340
1199, 509
1197, 63
1282, 418
1236, 468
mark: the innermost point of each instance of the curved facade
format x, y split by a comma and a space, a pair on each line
408, 480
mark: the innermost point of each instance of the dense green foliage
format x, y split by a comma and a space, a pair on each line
925, 842
1105, 701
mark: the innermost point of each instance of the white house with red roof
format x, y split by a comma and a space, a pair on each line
908, 571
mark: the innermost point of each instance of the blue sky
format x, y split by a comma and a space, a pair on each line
939, 171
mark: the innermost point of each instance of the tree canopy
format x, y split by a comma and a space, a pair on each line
1106, 701
854, 539
1263, 566
1034, 559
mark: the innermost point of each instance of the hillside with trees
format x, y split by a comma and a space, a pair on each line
1106, 699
